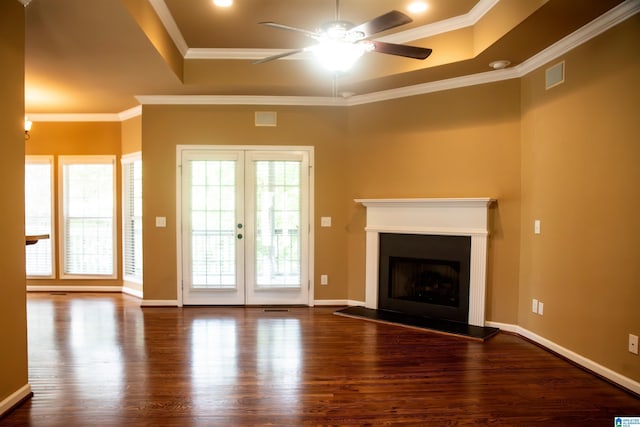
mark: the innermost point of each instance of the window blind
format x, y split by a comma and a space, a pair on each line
88, 215
38, 215
132, 219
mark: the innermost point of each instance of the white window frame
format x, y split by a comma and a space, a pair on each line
128, 159
47, 160
97, 159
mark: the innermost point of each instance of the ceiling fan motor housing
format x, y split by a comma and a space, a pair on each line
340, 31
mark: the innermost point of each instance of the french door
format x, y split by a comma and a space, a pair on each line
245, 226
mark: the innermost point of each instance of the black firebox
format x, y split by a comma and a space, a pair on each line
425, 275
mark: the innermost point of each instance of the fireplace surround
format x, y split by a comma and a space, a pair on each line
467, 217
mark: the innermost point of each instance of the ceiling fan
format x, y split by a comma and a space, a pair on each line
341, 43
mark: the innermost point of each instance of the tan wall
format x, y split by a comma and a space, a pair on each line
165, 127
13, 318
78, 138
131, 135
581, 178
459, 143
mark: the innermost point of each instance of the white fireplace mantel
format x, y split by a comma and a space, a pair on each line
437, 216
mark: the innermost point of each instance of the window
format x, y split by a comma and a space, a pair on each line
87, 216
38, 205
132, 217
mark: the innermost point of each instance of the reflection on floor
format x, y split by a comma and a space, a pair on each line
100, 359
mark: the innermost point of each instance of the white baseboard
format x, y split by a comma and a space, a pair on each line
71, 288
133, 292
159, 303
15, 398
329, 302
589, 364
84, 288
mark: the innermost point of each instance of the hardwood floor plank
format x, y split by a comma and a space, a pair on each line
102, 360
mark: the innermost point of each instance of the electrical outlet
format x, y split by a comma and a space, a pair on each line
324, 279
534, 305
536, 226
161, 221
540, 308
633, 344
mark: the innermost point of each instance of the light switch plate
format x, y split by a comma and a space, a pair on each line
325, 221
161, 221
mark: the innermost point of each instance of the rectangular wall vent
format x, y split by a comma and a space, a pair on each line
266, 118
554, 75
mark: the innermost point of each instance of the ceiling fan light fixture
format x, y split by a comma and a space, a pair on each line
337, 55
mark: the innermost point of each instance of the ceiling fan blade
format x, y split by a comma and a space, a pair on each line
307, 33
278, 56
382, 23
401, 50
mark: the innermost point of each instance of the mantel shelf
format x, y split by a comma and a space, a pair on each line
428, 202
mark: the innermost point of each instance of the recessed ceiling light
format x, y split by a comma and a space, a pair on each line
223, 3
417, 7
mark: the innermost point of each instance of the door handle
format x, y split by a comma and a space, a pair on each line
239, 225
239, 236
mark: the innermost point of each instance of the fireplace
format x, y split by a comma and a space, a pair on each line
447, 286
425, 275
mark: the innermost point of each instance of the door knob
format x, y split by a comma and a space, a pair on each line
239, 236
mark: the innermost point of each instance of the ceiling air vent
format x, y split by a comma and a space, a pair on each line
266, 118
554, 75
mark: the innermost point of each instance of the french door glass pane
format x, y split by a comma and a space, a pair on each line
277, 234
213, 205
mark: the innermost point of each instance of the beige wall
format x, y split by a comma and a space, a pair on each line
165, 127
581, 178
13, 318
131, 132
79, 138
459, 143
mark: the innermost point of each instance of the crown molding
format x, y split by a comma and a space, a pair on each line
74, 117
130, 113
609, 19
170, 25
438, 86
241, 54
447, 25
309, 101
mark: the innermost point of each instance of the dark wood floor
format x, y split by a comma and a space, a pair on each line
102, 360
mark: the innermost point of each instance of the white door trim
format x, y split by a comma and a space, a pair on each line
311, 252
